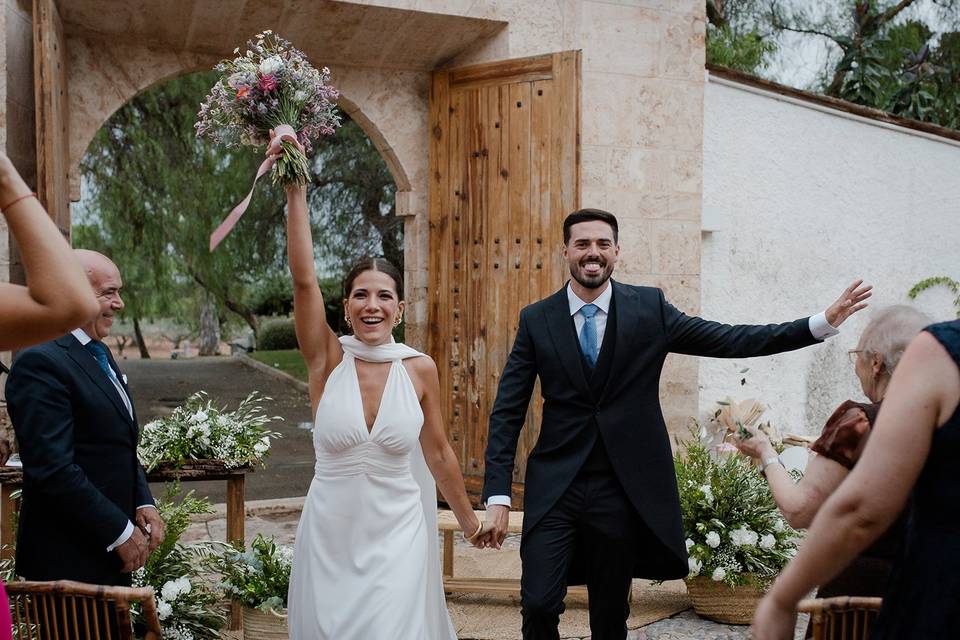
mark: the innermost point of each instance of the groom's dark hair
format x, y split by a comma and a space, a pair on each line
586, 215
373, 264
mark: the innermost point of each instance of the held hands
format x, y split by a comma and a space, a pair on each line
480, 534
134, 551
849, 302
496, 523
151, 524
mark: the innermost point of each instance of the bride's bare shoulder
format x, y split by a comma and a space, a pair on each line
422, 366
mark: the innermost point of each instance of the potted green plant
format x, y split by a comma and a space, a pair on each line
259, 579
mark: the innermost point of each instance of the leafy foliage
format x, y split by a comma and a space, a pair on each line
735, 533
259, 578
937, 281
182, 575
277, 335
748, 52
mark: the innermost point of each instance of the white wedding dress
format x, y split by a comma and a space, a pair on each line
366, 560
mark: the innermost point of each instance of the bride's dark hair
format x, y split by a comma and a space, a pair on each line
373, 264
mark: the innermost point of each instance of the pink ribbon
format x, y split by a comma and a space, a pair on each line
283, 132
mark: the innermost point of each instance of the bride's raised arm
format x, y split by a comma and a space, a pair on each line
318, 343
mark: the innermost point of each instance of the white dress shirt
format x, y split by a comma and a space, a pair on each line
83, 339
819, 329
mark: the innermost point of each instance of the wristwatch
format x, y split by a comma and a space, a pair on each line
769, 461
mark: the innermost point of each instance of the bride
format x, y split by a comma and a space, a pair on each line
366, 561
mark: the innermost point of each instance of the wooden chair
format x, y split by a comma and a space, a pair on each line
841, 618
68, 610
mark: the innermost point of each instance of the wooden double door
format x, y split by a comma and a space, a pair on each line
504, 172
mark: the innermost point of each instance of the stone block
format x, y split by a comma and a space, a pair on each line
686, 172
620, 39
682, 48
635, 257
675, 247
683, 292
637, 204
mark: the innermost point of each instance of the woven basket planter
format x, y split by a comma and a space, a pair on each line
258, 625
720, 602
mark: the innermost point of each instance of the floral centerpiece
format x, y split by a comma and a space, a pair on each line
183, 576
259, 579
200, 431
269, 90
736, 535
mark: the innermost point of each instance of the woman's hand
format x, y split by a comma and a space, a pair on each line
756, 446
773, 621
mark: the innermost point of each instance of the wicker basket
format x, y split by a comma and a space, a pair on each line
722, 603
258, 625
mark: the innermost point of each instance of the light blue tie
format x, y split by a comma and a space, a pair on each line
588, 335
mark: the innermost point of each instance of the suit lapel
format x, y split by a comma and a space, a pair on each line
126, 388
564, 337
624, 308
85, 360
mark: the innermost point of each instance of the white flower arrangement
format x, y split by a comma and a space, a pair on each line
735, 532
183, 576
200, 431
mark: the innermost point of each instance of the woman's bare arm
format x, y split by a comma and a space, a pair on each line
58, 297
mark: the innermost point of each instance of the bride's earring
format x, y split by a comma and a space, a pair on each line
346, 318
397, 322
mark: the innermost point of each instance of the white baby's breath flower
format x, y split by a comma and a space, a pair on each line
719, 574
713, 539
694, 566
769, 541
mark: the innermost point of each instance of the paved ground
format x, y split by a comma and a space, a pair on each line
158, 386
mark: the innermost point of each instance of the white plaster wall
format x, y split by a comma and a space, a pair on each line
801, 202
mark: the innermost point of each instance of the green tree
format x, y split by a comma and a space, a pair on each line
735, 35
154, 193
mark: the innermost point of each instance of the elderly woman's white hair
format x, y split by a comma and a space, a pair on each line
889, 332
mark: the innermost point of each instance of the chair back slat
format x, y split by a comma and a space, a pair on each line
841, 618
66, 610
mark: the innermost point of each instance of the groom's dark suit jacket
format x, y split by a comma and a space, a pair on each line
623, 408
82, 481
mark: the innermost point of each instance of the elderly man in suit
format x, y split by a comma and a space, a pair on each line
600, 499
86, 512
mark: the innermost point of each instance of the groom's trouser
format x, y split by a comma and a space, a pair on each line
594, 518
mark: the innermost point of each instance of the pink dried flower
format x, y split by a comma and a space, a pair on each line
268, 82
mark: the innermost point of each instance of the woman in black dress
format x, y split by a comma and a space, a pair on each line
912, 453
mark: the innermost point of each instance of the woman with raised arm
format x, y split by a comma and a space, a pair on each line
57, 298
366, 562
912, 453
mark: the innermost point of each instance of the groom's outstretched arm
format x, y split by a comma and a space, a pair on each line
696, 336
509, 413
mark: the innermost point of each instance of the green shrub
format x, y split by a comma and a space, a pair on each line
276, 335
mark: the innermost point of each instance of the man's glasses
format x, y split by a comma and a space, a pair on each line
852, 355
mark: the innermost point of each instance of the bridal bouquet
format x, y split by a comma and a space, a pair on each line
269, 88
200, 431
260, 577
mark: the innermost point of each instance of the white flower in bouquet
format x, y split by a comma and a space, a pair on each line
170, 591
778, 525
199, 417
164, 609
271, 65
689, 543
694, 565
743, 537
768, 541
718, 574
262, 446
713, 539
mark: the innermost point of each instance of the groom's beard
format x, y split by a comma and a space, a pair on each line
592, 281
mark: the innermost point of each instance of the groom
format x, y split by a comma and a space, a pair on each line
601, 503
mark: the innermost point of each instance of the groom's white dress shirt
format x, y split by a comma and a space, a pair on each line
819, 329
83, 338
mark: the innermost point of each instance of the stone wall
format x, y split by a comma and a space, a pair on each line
798, 201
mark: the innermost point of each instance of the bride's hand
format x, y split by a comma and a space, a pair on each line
484, 539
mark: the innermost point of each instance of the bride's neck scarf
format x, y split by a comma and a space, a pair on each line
387, 352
